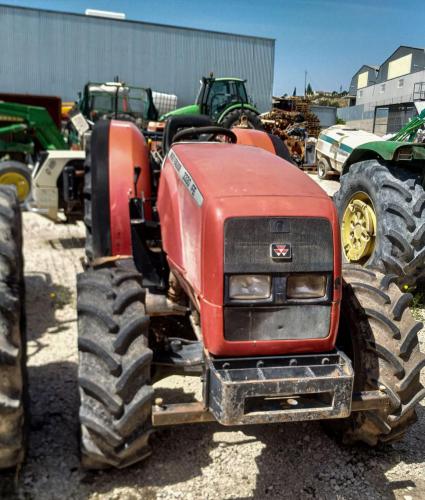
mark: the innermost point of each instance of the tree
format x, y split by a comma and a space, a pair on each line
309, 90
294, 93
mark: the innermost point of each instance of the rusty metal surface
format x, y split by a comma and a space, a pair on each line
370, 400
280, 389
195, 413
180, 413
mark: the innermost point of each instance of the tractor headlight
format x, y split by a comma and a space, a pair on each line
249, 286
306, 286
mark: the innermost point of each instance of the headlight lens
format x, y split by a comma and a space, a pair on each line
249, 286
306, 286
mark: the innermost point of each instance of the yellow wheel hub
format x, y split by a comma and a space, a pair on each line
358, 229
16, 179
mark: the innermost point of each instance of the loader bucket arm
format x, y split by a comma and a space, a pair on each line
408, 132
36, 119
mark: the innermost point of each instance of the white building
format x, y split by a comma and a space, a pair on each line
385, 95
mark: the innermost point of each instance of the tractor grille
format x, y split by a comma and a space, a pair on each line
247, 244
288, 322
247, 249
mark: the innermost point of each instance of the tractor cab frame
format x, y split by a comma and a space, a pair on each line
218, 94
117, 100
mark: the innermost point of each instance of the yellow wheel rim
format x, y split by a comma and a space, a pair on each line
358, 231
22, 185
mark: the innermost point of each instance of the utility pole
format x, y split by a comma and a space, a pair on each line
305, 83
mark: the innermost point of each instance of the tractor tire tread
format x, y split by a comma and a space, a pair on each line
381, 360
12, 333
114, 383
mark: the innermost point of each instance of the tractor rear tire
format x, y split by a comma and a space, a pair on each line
398, 200
380, 335
114, 367
12, 333
233, 118
17, 174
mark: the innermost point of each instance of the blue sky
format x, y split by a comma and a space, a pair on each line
330, 39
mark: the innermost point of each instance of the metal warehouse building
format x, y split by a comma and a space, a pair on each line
46, 52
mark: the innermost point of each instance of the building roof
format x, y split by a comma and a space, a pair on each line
400, 47
114, 20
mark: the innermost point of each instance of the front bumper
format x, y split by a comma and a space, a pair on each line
279, 389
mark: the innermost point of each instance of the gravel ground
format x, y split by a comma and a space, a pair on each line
191, 462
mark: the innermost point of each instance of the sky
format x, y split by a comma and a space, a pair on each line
330, 39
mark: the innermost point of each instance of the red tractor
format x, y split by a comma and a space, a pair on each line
219, 257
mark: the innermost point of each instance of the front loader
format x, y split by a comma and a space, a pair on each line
224, 260
25, 131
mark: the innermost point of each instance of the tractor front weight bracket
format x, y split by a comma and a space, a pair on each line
241, 391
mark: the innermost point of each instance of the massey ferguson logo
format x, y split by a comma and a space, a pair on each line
280, 251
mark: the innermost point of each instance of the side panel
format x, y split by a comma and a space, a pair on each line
181, 222
127, 152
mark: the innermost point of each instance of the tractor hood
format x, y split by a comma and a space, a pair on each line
223, 170
223, 208
204, 184
192, 109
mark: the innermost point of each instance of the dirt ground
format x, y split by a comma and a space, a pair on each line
191, 462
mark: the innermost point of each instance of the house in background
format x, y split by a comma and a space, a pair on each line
385, 97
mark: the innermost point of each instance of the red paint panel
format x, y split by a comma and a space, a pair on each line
127, 150
257, 138
235, 181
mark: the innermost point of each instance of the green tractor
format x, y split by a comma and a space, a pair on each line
225, 101
381, 201
25, 132
118, 101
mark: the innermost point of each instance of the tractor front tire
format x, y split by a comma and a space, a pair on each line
381, 210
12, 333
244, 118
380, 335
17, 174
114, 367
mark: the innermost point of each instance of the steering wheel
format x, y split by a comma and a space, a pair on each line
211, 131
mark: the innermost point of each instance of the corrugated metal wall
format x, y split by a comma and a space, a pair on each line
48, 52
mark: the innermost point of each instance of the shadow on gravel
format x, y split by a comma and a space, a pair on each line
67, 243
9, 485
52, 458
296, 461
43, 299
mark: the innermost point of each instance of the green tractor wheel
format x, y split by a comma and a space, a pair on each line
241, 118
16, 174
381, 210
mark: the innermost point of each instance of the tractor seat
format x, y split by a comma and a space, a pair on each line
176, 123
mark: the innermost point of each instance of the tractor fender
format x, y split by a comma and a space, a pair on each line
269, 142
128, 152
119, 171
386, 151
237, 106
